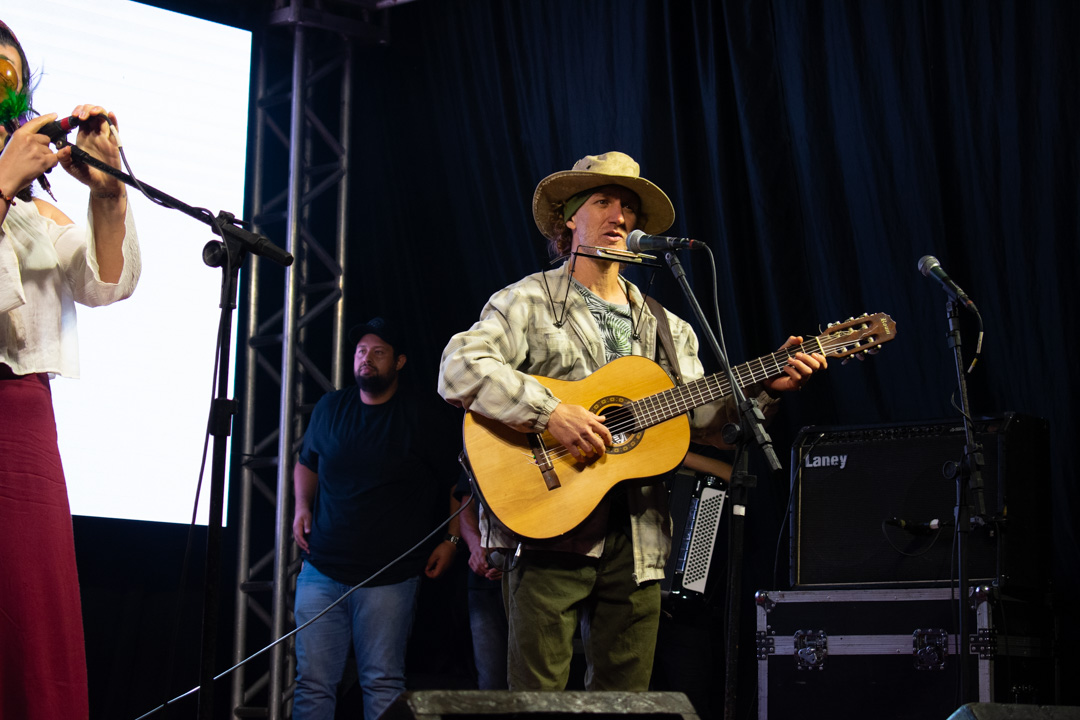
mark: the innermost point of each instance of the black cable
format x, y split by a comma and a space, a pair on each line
716, 306
325, 610
890, 543
62, 141
189, 546
790, 503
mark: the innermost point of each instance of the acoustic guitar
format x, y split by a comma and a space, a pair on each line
539, 490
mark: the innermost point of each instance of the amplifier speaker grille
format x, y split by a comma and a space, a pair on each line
847, 481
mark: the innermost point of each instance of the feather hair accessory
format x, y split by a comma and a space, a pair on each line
14, 108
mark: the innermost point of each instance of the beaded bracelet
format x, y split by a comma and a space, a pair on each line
7, 198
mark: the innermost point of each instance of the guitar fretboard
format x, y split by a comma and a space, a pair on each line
665, 405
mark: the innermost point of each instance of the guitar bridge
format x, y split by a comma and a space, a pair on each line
540, 457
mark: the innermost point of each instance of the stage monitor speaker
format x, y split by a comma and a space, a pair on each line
999, 711
866, 498
495, 704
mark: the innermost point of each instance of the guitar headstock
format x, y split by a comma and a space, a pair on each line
857, 336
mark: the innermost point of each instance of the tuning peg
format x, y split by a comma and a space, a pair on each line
861, 355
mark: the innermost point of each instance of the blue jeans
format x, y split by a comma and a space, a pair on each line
487, 620
376, 621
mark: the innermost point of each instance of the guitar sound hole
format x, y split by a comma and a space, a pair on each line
620, 421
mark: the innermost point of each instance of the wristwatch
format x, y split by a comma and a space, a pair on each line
454, 539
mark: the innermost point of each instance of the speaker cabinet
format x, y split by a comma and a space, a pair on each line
866, 501
496, 704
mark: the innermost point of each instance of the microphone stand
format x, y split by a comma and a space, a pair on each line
968, 477
229, 254
751, 427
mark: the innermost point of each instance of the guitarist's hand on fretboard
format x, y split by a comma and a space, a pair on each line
579, 431
798, 369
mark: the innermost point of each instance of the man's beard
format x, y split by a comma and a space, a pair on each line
377, 383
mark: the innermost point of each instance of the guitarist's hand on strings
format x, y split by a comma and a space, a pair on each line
579, 431
798, 370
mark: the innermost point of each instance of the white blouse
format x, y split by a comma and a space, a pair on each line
45, 268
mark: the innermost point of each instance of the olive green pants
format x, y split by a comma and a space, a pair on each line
550, 594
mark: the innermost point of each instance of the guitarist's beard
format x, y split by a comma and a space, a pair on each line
376, 383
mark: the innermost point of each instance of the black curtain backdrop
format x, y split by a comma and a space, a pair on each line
819, 148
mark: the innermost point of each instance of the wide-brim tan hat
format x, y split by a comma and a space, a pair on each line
611, 168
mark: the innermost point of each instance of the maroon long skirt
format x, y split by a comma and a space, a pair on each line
42, 652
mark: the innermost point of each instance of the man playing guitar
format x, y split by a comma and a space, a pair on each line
565, 324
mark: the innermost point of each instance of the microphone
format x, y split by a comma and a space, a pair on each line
917, 528
930, 267
59, 128
56, 131
637, 242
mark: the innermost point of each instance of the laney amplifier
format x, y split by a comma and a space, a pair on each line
875, 503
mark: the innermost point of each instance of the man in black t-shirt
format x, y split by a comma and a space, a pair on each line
373, 472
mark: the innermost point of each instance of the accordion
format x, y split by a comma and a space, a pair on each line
698, 492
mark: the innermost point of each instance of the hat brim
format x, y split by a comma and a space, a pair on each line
558, 187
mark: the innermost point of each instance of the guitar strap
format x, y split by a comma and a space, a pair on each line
663, 332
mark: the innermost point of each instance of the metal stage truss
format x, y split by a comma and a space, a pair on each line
295, 334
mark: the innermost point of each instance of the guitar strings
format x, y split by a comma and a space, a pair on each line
657, 408
680, 399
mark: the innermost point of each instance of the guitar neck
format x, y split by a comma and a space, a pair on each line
855, 335
681, 399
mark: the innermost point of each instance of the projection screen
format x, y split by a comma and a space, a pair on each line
131, 428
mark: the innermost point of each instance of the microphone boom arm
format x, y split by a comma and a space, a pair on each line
223, 224
228, 255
